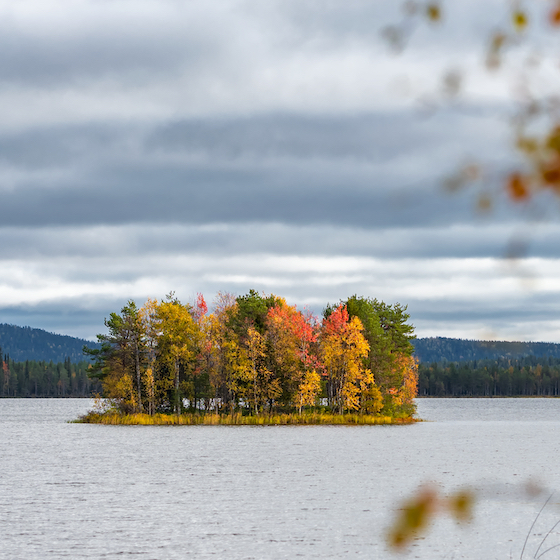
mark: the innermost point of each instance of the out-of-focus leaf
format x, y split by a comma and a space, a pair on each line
453, 183
517, 187
411, 8
452, 82
527, 145
484, 203
471, 172
550, 174
494, 56
554, 17
433, 12
413, 517
553, 140
394, 37
520, 20
461, 505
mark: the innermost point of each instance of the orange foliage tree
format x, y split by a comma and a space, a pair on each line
254, 353
343, 352
292, 336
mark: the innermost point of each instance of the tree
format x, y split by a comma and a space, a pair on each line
200, 389
251, 310
264, 386
247, 323
176, 345
292, 337
117, 362
150, 325
389, 336
228, 363
343, 350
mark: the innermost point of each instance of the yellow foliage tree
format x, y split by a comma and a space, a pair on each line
176, 343
406, 368
308, 390
264, 386
344, 349
229, 366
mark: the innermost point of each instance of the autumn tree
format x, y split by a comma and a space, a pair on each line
264, 386
293, 339
228, 362
248, 323
389, 336
151, 328
198, 379
406, 370
254, 351
344, 350
176, 346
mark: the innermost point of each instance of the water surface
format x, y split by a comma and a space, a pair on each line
240, 492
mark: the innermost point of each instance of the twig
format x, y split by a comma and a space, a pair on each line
548, 549
531, 528
542, 542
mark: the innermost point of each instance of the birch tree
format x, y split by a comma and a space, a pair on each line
176, 344
344, 350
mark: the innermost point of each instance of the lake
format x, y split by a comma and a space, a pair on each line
245, 492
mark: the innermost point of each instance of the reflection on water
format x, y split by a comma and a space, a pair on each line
85, 491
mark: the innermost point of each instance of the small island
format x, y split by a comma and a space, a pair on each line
255, 360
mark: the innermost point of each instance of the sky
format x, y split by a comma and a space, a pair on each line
150, 146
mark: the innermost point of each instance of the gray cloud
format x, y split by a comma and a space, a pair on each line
163, 145
482, 239
62, 316
358, 170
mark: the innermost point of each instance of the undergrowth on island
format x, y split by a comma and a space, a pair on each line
237, 419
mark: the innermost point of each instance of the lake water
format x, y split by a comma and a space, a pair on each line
242, 492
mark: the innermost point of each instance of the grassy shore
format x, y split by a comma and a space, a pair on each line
114, 418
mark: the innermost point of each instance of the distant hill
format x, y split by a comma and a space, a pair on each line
438, 349
25, 343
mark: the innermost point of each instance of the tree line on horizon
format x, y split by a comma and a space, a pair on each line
32, 378
257, 354
443, 349
530, 376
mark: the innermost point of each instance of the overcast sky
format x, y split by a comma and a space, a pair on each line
156, 145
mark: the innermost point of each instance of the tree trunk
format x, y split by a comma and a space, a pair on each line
177, 406
138, 379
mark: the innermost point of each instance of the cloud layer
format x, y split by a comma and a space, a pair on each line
151, 146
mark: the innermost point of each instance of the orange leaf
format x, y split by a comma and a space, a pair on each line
555, 16
551, 175
517, 188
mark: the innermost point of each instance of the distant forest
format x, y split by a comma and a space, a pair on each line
25, 343
451, 367
502, 377
440, 349
46, 379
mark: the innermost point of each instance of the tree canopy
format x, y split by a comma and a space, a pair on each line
258, 354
